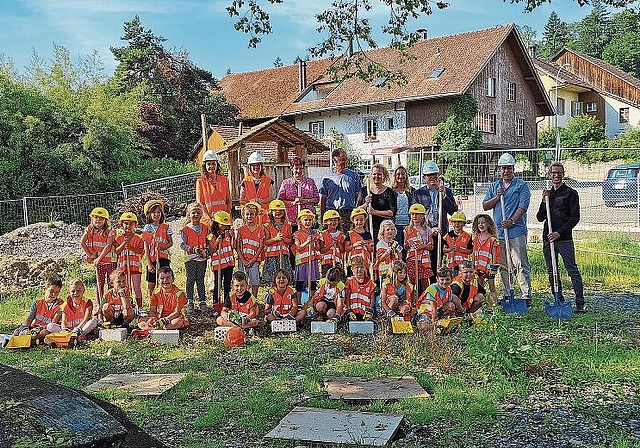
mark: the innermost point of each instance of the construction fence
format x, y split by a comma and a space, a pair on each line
609, 196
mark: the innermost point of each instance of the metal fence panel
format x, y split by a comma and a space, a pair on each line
11, 215
180, 188
69, 208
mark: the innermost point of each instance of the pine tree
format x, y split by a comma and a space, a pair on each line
593, 33
555, 36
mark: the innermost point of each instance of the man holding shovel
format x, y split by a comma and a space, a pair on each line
564, 206
512, 217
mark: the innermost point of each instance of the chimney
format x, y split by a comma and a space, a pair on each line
532, 50
302, 75
350, 49
239, 128
422, 32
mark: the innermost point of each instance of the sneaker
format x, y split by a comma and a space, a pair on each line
250, 332
203, 307
581, 308
140, 312
190, 308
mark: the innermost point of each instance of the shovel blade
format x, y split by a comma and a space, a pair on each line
23, 341
559, 310
514, 306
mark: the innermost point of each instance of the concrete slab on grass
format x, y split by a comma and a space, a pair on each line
144, 384
369, 389
340, 427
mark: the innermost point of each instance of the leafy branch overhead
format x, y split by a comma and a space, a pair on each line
347, 30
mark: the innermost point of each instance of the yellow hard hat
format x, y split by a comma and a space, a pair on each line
152, 203
417, 208
128, 216
276, 204
99, 212
458, 216
255, 204
222, 217
305, 212
357, 212
330, 214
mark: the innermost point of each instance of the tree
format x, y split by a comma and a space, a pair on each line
175, 90
593, 33
347, 24
528, 35
554, 37
624, 52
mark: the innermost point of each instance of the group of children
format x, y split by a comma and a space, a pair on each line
336, 274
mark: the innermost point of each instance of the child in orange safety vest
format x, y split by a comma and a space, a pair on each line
43, 312
418, 242
195, 244
468, 293
359, 239
359, 292
222, 259
241, 309
387, 250
328, 300
250, 245
458, 245
281, 301
307, 245
486, 253
396, 293
130, 248
436, 301
166, 305
332, 242
97, 243
117, 305
76, 313
278, 238
158, 239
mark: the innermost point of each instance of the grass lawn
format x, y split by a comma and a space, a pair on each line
239, 394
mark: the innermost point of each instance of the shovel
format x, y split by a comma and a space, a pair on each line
558, 309
510, 305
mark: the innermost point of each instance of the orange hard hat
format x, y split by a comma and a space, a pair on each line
234, 337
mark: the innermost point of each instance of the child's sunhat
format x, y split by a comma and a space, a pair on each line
152, 203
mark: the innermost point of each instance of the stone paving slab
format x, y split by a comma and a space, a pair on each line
369, 389
144, 384
340, 427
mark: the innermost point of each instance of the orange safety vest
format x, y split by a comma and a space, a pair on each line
332, 253
483, 253
154, 239
261, 194
195, 239
112, 298
384, 265
74, 314
362, 251
411, 235
45, 312
97, 240
392, 290
212, 198
435, 296
276, 249
282, 301
305, 254
128, 255
165, 302
224, 255
324, 286
244, 308
359, 297
454, 258
250, 241
473, 291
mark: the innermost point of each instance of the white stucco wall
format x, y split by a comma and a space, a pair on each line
612, 117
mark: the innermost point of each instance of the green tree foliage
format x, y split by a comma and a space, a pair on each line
175, 92
593, 33
457, 137
624, 52
547, 138
554, 37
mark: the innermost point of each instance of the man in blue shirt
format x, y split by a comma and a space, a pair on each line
516, 195
340, 189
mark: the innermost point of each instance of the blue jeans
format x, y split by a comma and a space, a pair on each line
567, 250
520, 264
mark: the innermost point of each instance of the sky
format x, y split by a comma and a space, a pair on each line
205, 30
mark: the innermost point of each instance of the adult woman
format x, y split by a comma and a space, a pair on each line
379, 200
404, 192
256, 186
212, 188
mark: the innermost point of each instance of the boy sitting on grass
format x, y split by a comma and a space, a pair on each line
43, 312
468, 293
436, 301
359, 291
167, 304
117, 304
241, 308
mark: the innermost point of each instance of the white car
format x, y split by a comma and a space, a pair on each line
414, 181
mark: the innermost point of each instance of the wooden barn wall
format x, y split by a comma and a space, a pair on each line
422, 119
588, 97
601, 79
503, 66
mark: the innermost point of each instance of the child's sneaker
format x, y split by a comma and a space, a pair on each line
140, 312
190, 308
203, 307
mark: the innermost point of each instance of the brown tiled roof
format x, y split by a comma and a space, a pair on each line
564, 76
615, 71
270, 92
226, 132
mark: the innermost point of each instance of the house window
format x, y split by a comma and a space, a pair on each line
365, 165
576, 108
511, 94
592, 106
436, 73
389, 123
371, 129
520, 127
491, 87
624, 115
317, 129
560, 106
486, 123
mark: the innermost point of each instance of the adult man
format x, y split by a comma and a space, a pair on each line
429, 196
516, 195
564, 205
340, 189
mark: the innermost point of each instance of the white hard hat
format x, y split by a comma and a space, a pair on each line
255, 157
210, 156
506, 159
430, 167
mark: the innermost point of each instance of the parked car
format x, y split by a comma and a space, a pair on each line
621, 184
414, 181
